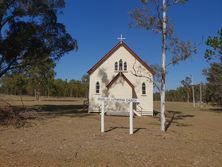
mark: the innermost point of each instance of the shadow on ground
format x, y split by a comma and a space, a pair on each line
63, 110
114, 128
19, 116
217, 110
174, 117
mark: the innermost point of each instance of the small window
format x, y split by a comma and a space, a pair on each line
125, 66
143, 88
120, 65
116, 66
97, 87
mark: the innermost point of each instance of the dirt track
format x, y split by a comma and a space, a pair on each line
67, 138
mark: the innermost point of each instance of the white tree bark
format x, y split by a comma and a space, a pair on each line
193, 96
102, 117
188, 97
163, 78
201, 98
193, 92
131, 118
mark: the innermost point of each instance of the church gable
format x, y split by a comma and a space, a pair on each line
113, 76
120, 89
120, 74
117, 65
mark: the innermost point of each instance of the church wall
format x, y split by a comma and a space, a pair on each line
105, 73
119, 89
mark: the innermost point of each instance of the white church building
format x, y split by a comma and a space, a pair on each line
121, 73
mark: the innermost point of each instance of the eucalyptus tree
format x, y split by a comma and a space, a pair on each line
213, 75
30, 32
41, 77
187, 84
152, 17
13, 84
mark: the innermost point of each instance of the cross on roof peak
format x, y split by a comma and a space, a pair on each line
121, 38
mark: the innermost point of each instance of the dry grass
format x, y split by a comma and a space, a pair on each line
62, 134
16, 110
31, 101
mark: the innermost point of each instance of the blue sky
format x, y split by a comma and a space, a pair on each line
97, 24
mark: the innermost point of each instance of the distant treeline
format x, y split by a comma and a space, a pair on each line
184, 94
19, 84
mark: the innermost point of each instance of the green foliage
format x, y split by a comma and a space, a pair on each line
14, 84
214, 73
17, 84
214, 49
181, 50
214, 85
30, 33
85, 79
186, 82
180, 94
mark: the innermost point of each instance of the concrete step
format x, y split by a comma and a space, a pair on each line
137, 113
117, 113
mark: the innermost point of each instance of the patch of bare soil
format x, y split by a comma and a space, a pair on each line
68, 136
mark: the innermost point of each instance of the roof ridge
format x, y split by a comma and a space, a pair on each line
117, 46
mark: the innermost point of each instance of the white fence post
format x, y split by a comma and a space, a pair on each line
102, 117
120, 100
131, 118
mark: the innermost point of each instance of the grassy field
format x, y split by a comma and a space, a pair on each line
31, 101
58, 132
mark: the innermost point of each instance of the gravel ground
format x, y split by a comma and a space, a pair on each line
67, 137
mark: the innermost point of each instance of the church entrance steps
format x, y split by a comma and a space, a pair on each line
138, 113
117, 113
126, 113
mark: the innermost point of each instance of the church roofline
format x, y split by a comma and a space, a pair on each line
120, 74
116, 47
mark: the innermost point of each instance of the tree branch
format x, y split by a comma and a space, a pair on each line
143, 76
9, 18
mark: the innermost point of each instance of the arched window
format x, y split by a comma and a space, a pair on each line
125, 66
97, 87
116, 66
120, 65
143, 88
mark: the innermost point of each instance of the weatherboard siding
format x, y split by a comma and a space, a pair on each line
105, 73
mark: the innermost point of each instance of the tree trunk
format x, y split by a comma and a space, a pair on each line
163, 78
35, 94
188, 97
22, 101
38, 95
48, 92
193, 94
201, 100
71, 93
